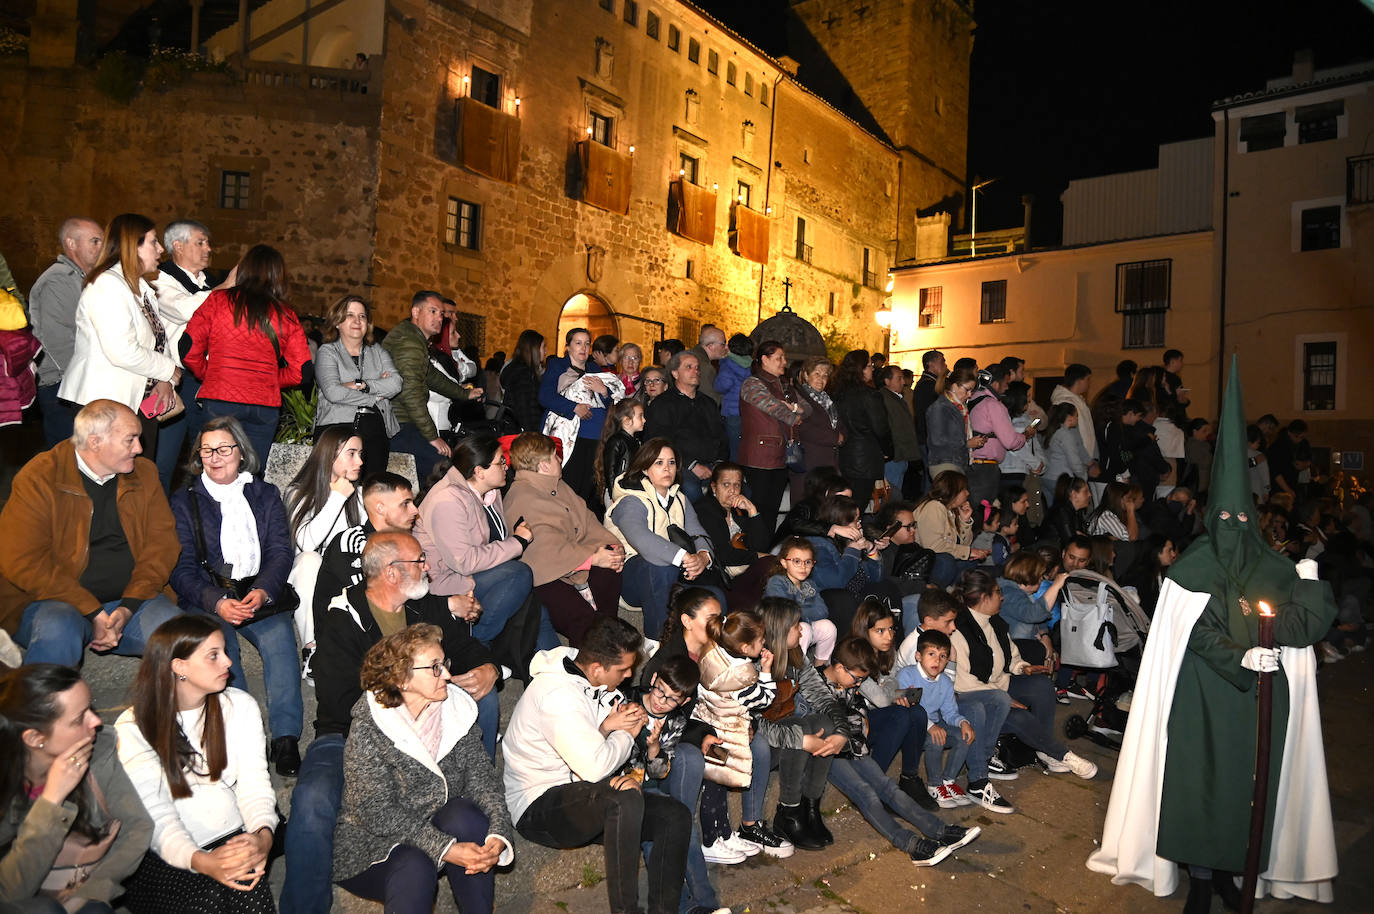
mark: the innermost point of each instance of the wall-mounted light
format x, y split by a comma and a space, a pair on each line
768, 211
890, 283
517, 101
884, 317
682, 172
632, 149
589, 131
714, 186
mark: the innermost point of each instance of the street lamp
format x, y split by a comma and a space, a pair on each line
973, 218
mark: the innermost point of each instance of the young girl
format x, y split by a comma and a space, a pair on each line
999, 536
803, 745
796, 558
733, 690
619, 441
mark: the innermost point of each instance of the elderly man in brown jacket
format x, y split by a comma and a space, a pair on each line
89, 544
576, 561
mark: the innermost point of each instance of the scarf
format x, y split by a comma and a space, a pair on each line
963, 411
238, 529
429, 726
822, 399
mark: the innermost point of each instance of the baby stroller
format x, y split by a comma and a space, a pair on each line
1102, 630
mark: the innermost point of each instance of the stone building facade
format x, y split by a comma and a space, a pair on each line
518, 155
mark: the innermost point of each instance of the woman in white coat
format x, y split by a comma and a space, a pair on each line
122, 351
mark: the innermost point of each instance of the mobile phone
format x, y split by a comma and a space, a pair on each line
896, 525
912, 694
1033, 423
717, 754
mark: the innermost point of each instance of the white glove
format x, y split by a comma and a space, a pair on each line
1261, 659
1307, 569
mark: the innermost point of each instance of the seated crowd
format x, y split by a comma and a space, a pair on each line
905, 603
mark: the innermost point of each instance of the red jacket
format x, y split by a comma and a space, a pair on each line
237, 363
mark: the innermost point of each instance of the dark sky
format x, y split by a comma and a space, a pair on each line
1064, 90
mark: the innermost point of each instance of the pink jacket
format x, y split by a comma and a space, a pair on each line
454, 533
989, 416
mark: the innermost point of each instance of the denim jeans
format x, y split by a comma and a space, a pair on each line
58, 417
986, 711
897, 728
692, 488
874, 793
894, 471
259, 422
501, 591
173, 434
647, 586
56, 632
801, 774
409, 441
683, 784
275, 638
405, 880
947, 569
734, 427
310, 833
1035, 726
939, 768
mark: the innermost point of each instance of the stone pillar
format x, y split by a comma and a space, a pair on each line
195, 25
52, 33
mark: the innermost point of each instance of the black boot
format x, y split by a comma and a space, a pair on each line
1225, 884
790, 823
811, 809
1199, 896
914, 787
285, 753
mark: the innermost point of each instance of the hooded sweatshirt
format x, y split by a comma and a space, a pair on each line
553, 737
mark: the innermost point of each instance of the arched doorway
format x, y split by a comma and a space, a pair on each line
589, 311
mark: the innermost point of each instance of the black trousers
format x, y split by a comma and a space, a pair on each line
766, 488
376, 445
574, 815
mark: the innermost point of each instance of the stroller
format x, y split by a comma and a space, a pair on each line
1102, 630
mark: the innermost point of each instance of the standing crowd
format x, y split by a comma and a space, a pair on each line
833, 566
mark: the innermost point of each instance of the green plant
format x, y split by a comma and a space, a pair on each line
118, 75
13, 44
297, 423
591, 876
837, 339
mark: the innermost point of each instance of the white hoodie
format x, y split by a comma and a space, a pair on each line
554, 736
1062, 394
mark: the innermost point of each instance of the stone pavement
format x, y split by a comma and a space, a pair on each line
1031, 861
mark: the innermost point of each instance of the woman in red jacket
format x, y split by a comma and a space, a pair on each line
246, 344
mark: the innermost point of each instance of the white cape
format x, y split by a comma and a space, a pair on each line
1302, 854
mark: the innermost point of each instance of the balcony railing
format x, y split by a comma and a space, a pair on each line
1359, 180
870, 279
326, 79
803, 251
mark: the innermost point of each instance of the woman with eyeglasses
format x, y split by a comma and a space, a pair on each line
357, 379
949, 437
652, 382
472, 551
235, 558
421, 799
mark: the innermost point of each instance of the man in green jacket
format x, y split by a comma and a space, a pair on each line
408, 343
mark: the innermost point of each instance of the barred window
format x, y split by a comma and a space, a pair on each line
1319, 375
994, 306
1142, 299
932, 306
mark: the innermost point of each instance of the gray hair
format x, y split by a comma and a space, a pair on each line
381, 550
94, 420
709, 332
249, 461
181, 230
71, 226
676, 361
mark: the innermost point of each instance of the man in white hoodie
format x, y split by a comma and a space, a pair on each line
570, 733
1075, 390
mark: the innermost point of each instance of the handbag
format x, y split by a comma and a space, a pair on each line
914, 563
684, 540
784, 703
287, 601
796, 456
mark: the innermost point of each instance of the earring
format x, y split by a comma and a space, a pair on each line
181, 678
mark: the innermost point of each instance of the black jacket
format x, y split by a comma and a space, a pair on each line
345, 631
520, 388
693, 424
802, 520
869, 441
1066, 522
615, 460
712, 517
922, 396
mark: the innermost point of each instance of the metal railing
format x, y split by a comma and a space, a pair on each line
803, 251
296, 76
870, 279
1359, 180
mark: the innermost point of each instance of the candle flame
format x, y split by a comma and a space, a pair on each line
1265, 609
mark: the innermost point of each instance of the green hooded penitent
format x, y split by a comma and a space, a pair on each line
1210, 764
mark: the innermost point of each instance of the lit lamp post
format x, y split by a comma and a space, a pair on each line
884, 319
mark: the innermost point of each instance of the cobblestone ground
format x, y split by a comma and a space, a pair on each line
1031, 861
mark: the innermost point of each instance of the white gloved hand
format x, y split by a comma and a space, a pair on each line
1307, 569
1261, 659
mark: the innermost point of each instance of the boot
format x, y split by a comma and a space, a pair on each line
790, 823
811, 809
1225, 885
914, 787
1199, 896
286, 754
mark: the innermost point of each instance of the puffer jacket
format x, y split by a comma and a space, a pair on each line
726, 684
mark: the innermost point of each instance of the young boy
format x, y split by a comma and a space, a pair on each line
937, 612
664, 699
937, 697
858, 777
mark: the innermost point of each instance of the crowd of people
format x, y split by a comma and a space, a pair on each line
905, 601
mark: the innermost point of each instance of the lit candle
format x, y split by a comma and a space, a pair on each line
1266, 625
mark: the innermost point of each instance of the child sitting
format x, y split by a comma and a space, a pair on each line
796, 559
858, 777
619, 441
663, 697
937, 697
999, 535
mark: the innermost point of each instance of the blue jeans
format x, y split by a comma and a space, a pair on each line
940, 769
647, 586
310, 833
259, 422
409, 441
894, 471
893, 728
501, 591
172, 434
405, 880
57, 416
692, 488
56, 632
873, 793
734, 428
986, 711
275, 638
683, 784
947, 569
1035, 727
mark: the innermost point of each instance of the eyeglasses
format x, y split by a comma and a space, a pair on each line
806, 563
671, 701
437, 668
224, 450
422, 560
854, 678
910, 526
649, 381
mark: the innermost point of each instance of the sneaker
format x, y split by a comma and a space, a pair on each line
987, 796
943, 797
1061, 696
769, 841
1076, 690
719, 852
1123, 701
1052, 764
1357, 648
914, 787
925, 852
1000, 770
957, 793
956, 836
1080, 766
737, 842
1329, 654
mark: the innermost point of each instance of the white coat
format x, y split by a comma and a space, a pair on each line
114, 355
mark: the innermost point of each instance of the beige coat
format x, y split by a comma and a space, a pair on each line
718, 704
939, 530
565, 533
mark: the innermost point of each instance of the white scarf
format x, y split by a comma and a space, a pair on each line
238, 529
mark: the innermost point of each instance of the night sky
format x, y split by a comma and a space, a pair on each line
1066, 90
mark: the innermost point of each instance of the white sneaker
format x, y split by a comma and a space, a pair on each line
1080, 766
720, 852
1329, 654
737, 842
1052, 763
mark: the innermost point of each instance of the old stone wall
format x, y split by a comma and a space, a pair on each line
311, 157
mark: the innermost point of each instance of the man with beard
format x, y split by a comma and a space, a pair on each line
1184, 782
